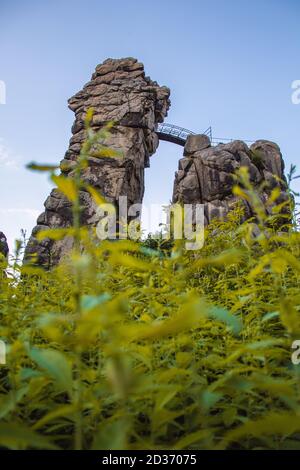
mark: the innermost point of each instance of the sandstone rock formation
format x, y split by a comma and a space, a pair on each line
205, 173
118, 91
3, 245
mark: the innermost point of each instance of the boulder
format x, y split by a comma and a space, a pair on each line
205, 176
196, 142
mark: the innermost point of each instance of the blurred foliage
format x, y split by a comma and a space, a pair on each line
145, 345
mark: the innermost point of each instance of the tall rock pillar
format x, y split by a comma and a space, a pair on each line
118, 91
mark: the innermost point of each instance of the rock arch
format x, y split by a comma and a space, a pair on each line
120, 91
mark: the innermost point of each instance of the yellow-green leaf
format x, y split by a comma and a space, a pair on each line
66, 185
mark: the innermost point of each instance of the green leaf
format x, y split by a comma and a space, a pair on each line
56, 365
55, 233
16, 436
111, 436
63, 411
193, 438
9, 402
290, 317
89, 302
270, 316
221, 314
98, 198
41, 167
280, 424
103, 151
67, 186
209, 399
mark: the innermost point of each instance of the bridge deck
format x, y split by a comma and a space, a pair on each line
178, 135
175, 134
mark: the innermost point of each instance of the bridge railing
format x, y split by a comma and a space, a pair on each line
170, 129
208, 132
181, 134
220, 140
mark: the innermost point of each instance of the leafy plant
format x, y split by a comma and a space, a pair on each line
129, 345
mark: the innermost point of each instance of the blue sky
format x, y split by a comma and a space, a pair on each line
230, 64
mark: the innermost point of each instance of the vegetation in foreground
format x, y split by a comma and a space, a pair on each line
140, 346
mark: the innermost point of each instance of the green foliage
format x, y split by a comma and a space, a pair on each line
138, 346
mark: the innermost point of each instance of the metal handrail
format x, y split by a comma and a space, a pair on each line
222, 140
170, 129
208, 132
179, 135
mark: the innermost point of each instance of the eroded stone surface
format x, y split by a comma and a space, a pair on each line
118, 91
206, 176
196, 142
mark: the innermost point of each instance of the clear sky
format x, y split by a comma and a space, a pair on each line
230, 64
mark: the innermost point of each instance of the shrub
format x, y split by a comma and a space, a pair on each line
131, 346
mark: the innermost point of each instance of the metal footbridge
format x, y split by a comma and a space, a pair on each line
175, 134
178, 135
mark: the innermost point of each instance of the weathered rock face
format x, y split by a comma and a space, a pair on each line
205, 173
3, 245
195, 142
118, 91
